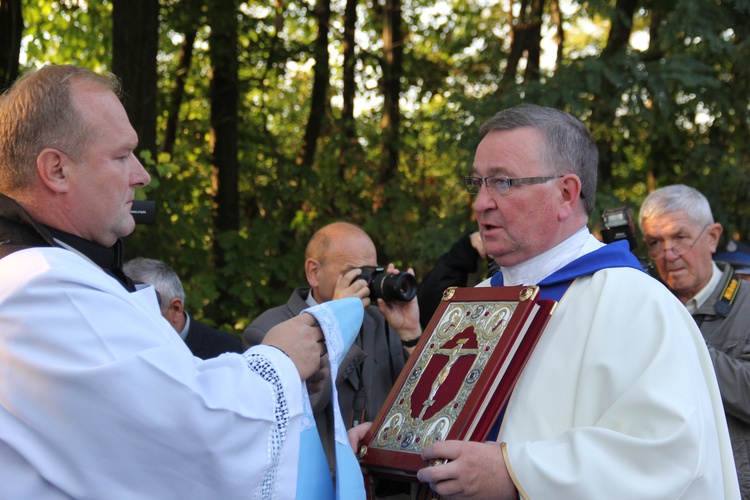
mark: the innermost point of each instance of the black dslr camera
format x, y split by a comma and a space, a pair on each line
401, 287
619, 225
143, 211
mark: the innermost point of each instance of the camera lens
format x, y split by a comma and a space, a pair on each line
400, 287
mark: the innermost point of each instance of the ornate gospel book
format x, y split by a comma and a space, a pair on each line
459, 377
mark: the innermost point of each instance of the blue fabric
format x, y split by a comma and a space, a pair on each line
554, 286
616, 254
313, 474
340, 321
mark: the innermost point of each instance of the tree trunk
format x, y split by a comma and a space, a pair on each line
178, 91
321, 75
224, 107
11, 32
348, 125
534, 41
135, 25
554, 10
621, 27
606, 103
526, 38
393, 49
224, 90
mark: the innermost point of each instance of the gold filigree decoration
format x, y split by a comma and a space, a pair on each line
528, 293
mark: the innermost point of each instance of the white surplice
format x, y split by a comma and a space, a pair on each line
619, 400
100, 398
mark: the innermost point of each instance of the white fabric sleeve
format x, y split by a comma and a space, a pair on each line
100, 395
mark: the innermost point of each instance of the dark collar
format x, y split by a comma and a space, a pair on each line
25, 232
18, 228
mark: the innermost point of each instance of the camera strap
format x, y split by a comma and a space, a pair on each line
359, 404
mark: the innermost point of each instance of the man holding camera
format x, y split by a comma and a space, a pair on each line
334, 260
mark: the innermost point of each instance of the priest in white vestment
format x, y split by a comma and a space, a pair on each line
99, 398
619, 399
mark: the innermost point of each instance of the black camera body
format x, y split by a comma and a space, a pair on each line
619, 225
401, 287
143, 211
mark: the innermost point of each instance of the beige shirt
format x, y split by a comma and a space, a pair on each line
701, 297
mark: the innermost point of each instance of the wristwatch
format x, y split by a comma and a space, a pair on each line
410, 343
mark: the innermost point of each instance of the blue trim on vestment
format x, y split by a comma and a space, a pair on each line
615, 254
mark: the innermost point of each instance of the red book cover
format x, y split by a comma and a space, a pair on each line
459, 377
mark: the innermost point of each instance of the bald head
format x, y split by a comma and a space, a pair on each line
333, 250
335, 235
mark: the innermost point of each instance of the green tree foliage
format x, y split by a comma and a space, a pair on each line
68, 32
662, 84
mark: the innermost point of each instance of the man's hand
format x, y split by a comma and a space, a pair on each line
349, 286
302, 340
356, 434
316, 381
478, 244
402, 316
474, 471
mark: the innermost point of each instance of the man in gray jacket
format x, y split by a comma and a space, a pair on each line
334, 259
681, 237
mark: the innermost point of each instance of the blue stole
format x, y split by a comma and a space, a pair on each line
340, 321
554, 286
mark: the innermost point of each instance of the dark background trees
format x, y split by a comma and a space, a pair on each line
265, 120
11, 31
135, 43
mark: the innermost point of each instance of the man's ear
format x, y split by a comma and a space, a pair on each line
175, 305
174, 313
570, 193
52, 166
714, 232
311, 272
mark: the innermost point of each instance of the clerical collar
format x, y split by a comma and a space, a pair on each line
536, 269
109, 259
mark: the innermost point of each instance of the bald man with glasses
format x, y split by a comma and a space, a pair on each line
681, 237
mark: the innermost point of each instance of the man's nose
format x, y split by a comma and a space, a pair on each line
484, 200
140, 176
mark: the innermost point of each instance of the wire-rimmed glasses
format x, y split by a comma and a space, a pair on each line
501, 184
656, 249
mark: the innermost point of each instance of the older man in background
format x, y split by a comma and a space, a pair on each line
681, 237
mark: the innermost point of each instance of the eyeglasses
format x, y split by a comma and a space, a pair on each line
501, 184
656, 249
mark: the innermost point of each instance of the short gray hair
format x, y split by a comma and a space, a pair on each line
673, 198
157, 273
568, 146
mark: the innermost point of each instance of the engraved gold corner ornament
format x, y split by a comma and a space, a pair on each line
528, 293
449, 292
